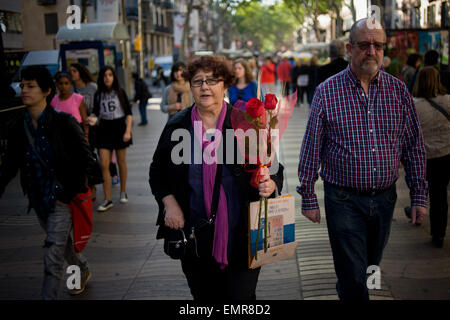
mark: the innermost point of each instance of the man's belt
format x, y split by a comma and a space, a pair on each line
367, 193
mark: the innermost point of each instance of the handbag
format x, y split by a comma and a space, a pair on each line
80, 207
175, 242
81, 210
438, 108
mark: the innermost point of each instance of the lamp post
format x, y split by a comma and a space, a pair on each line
141, 49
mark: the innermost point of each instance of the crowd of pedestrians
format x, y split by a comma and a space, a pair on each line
363, 125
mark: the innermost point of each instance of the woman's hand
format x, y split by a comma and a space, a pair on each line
126, 136
174, 218
266, 186
174, 107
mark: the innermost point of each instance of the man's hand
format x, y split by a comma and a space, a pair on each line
313, 215
418, 214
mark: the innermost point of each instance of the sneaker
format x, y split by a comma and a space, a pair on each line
84, 279
115, 181
106, 205
123, 197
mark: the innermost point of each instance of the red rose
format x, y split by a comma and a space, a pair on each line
270, 102
254, 108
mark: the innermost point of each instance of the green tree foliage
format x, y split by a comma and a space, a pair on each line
268, 27
302, 9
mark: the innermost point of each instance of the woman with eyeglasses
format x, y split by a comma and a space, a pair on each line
177, 95
244, 87
206, 200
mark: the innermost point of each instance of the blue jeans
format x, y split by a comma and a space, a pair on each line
358, 227
143, 110
58, 246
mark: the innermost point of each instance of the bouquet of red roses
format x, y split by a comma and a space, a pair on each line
258, 130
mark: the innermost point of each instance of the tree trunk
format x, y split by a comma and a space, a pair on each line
316, 22
352, 8
186, 29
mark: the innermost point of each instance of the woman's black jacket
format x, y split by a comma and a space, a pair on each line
167, 178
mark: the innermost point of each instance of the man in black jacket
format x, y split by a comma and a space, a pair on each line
337, 64
54, 159
142, 94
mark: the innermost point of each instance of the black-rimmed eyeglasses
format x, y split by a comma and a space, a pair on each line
364, 45
208, 81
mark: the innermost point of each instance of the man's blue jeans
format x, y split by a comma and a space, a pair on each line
58, 246
358, 227
143, 110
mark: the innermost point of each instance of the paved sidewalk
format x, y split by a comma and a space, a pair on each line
128, 262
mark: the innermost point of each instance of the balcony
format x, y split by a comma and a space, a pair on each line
162, 29
163, 4
46, 2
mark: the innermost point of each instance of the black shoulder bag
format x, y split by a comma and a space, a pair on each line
438, 108
201, 237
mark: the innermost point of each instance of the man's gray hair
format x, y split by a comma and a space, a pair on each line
337, 49
358, 25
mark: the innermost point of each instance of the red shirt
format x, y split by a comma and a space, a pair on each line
284, 71
268, 73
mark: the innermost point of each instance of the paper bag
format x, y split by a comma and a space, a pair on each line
281, 242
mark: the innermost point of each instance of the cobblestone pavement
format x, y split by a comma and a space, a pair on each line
127, 261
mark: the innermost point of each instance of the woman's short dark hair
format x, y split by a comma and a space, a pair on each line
85, 75
43, 79
101, 83
176, 66
412, 59
218, 66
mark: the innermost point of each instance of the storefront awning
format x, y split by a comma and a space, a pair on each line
104, 31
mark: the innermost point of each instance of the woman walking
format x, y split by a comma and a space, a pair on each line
112, 108
177, 95
216, 264
84, 84
432, 103
244, 87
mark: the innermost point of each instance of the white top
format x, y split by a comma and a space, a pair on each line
435, 126
110, 107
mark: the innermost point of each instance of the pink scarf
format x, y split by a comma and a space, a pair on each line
220, 244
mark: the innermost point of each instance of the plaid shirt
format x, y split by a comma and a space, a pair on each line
360, 139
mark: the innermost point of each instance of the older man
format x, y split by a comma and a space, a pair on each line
362, 125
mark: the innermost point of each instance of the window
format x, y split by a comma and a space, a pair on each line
51, 23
